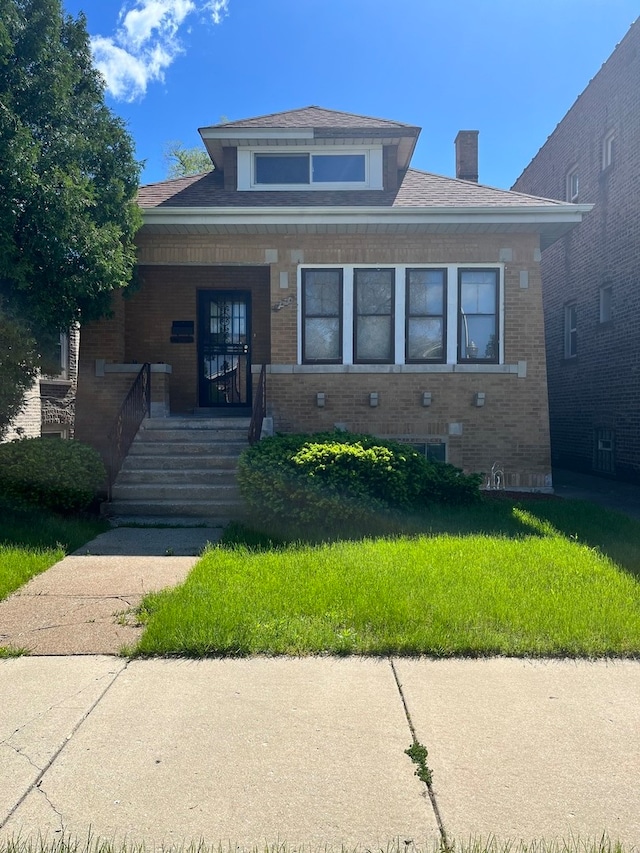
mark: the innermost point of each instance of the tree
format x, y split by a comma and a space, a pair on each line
18, 368
182, 161
68, 178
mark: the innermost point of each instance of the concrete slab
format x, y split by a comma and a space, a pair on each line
43, 701
82, 604
152, 541
251, 752
523, 749
109, 576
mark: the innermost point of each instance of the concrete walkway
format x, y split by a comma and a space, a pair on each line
84, 604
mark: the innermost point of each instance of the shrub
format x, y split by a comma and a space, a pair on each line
342, 478
51, 473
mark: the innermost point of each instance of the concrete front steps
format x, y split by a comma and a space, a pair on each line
182, 467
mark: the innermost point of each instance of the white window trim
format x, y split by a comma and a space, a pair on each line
451, 361
373, 168
570, 195
608, 149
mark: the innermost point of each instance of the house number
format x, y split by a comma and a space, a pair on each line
278, 306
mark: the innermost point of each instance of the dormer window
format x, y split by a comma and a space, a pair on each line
323, 168
281, 169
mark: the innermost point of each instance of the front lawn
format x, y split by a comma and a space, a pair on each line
500, 578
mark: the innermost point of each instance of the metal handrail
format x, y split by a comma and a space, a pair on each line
259, 407
135, 407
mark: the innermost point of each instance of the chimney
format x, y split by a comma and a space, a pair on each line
467, 155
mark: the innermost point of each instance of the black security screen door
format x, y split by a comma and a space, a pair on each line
223, 354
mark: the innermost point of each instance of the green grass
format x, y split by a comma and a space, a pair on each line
31, 540
500, 579
93, 844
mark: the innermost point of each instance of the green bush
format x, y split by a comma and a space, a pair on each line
342, 478
51, 473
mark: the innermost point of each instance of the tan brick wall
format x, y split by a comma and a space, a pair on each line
28, 422
512, 427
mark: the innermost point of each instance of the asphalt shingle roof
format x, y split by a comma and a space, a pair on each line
317, 117
418, 190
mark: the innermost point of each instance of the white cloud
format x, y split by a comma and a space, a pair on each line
146, 42
218, 9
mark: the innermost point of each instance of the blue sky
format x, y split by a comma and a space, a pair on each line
508, 68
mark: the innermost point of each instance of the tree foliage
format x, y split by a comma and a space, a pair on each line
68, 177
182, 161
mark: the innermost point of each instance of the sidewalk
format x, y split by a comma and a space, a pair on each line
311, 751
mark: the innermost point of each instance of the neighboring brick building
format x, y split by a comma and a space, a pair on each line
591, 277
379, 298
49, 405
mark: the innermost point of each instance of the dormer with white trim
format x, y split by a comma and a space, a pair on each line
311, 149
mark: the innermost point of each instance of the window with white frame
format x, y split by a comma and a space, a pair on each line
359, 314
328, 167
573, 185
478, 293
373, 295
570, 330
425, 307
608, 149
322, 312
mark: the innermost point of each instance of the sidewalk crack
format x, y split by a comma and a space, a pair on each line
37, 782
417, 752
41, 790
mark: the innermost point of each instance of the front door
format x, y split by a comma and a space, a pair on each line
224, 353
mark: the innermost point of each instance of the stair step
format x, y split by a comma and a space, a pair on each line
176, 491
218, 513
185, 462
183, 476
176, 448
200, 436
197, 423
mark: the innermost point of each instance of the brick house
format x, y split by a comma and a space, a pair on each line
590, 276
379, 298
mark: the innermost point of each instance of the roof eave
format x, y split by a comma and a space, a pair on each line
165, 214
